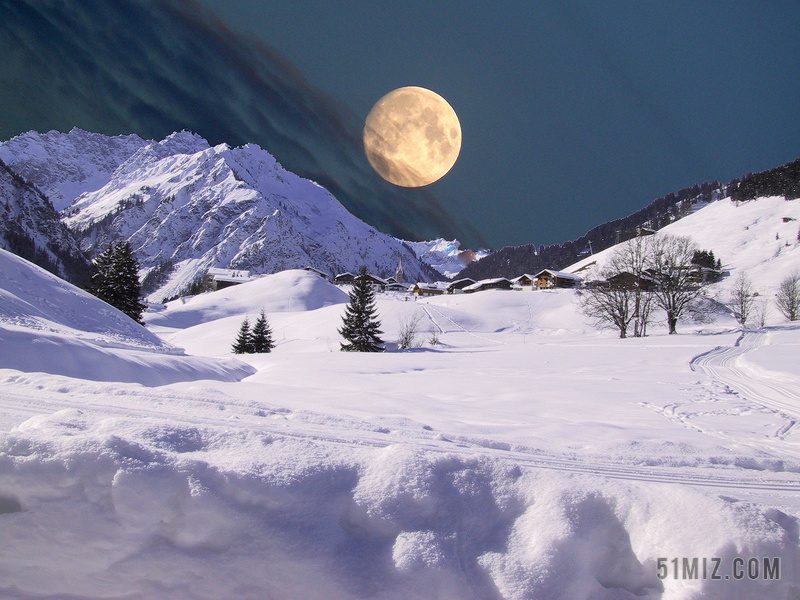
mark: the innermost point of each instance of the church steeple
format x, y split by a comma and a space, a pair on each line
399, 275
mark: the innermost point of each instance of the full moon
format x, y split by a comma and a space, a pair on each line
412, 137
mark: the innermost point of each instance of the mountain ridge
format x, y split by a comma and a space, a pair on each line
512, 261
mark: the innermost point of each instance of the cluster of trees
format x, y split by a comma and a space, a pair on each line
743, 301
660, 272
115, 279
780, 181
641, 275
360, 329
257, 340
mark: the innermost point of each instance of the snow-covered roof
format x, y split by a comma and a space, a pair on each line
229, 275
560, 274
485, 282
435, 285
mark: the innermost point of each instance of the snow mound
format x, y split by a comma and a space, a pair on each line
99, 507
49, 325
294, 290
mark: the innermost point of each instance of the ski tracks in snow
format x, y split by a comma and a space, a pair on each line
727, 365
219, 410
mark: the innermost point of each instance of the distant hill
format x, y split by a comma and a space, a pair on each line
512, 261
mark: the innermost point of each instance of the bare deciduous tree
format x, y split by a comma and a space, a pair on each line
608, 306
742, 299
409, 331
788, 298
634, 257
677, 291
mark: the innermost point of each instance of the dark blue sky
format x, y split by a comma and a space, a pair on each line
573, 112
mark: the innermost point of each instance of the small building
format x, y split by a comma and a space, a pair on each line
436, 288
525, 282
628, 281
548, 279
218, 279
348, 278
317, 271
393, 286
500, 283
457, 286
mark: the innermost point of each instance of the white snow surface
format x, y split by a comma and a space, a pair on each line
49, 325
524, 456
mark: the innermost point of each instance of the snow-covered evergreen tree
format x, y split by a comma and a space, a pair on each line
261, 336
244, 339
360, 327
115, 280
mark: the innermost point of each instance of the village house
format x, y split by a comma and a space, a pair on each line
628, 281
218, 279
457, 287
500, 283
317, 271
436, 288
345, 277
524, 282
548, 279
348, 278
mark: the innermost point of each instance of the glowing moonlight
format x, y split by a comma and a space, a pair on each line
412, 137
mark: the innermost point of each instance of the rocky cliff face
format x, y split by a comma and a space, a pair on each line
30, 227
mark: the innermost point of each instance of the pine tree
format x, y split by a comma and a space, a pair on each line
261, 337
244, 339
99, 284
360, 327
115, 280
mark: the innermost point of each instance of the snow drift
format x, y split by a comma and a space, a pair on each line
115, 508
49, 325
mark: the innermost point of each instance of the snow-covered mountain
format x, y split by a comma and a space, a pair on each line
30, 227
186, 207
65, 165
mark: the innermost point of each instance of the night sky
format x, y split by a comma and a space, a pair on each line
573, 112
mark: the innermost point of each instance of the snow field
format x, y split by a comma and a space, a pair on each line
525, 456
148, 509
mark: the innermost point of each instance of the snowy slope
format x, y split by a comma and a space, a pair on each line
523, 456
65, 165
30, 227
186, 207
48, 325
758, 237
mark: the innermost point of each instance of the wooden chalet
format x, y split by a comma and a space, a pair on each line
218, 279
394, 286
500, 283
548, 279
345, 277
317, 271
457, 287
437, 288
629, 281
525, 282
